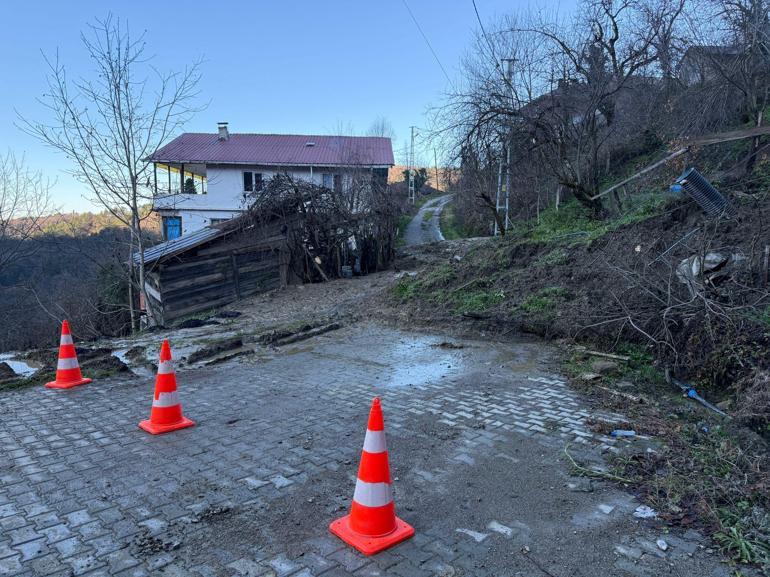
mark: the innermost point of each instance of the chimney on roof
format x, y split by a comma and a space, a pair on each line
224, 134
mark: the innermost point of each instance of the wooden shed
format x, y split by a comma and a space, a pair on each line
213, 267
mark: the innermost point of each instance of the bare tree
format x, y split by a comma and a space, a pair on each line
24, 202
109, 123
575, 96
737, 56
381, 127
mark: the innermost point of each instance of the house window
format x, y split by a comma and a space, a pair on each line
332, 181
172, 227
218, 220
252, 181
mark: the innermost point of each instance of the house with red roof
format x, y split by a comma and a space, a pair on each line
202, 179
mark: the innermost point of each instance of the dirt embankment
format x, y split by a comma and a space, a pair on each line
619, 286
666, 293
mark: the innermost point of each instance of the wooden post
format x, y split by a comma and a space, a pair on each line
236, 279
284, 259
181, 178
168, 174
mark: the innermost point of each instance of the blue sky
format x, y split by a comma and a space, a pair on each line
290, 66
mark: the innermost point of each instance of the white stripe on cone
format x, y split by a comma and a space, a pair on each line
65, 364
166, 400
166, 367
66, 340
372, 494
374, 442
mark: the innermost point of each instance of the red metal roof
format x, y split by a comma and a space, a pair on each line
277, 149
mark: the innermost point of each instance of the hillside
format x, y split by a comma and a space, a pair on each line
620, 287
87, 223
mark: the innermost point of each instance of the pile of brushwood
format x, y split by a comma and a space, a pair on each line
327, 229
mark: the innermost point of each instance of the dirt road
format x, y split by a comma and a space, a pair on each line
425, 226
476, 432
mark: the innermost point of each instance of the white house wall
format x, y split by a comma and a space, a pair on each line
224, 196
223, 180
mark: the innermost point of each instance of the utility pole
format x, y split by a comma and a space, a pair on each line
435, 165
502, 202
410, 169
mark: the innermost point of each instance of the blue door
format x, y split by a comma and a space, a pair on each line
172, 227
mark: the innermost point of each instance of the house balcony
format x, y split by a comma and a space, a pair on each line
179, 179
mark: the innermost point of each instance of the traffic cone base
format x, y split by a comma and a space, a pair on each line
166, 413
366, 544
67, 385
372, 525
68, 373
157, 429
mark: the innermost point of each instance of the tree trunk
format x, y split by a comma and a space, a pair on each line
137, 230
131, 309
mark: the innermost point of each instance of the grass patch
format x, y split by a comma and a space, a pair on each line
701, 473
427, 215
475, 296
574, 224
449, 225
713, 477
640, 369
554, 258
761, 317
405, 289
477, 300
543, 300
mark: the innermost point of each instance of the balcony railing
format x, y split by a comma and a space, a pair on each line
168, 191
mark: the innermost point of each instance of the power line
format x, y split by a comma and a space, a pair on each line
428, 43
491, 46
483, 31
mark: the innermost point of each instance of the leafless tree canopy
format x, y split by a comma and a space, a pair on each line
108, 123
24, 201
354, 224
569, 101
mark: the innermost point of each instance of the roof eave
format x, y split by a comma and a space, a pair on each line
257, 163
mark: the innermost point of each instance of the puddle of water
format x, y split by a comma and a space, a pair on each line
19, 367
422, 363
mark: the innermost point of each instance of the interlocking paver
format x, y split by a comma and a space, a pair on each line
251, 489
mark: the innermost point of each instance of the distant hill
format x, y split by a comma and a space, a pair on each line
446, 176
88, 223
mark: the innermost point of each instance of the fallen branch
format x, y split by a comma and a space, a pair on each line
476, 316
623, 358
316, 265
466, 285
642, 172
586, 472
628, 396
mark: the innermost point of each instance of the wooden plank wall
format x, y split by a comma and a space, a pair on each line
218, 273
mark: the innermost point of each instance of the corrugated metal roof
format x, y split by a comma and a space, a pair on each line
181, 244
278, 149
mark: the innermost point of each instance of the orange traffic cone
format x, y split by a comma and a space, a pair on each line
166, 414
372, 525
68, 373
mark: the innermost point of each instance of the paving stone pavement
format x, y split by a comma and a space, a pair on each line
475, 435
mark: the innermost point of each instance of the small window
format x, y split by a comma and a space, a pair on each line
327, 180
214, 221
252, 181
172, 227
